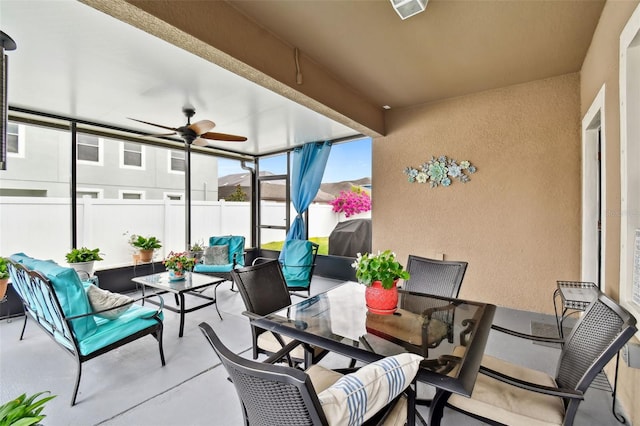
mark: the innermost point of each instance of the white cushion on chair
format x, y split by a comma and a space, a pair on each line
268, 342
322, 378
509, 404
357, 396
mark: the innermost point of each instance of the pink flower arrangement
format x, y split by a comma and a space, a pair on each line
352, 202
179, 261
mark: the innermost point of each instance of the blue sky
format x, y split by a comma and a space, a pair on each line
347, 161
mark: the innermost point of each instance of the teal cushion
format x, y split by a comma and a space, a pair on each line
136, 318
71, 295
297, 262
27, 261
200, 267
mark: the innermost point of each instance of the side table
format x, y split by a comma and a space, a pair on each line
576, 297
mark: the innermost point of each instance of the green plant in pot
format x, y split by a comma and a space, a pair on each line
24, 411
146, 245
4, 277
380, 273
82, 259
196, 250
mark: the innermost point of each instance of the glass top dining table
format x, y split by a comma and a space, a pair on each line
450, 334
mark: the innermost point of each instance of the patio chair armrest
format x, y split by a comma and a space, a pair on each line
533, 387
259, 260
427, 313
251, 315
527, 336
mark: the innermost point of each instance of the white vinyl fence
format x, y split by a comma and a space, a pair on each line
41, 227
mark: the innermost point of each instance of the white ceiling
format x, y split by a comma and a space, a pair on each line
75, 61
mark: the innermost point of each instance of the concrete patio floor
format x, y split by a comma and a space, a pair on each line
128, 386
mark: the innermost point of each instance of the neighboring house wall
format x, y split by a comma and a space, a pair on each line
46, 167
601, 67
517, 221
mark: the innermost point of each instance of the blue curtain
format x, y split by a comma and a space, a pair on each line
309, 162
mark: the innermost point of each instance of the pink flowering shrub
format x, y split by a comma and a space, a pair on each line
352, 202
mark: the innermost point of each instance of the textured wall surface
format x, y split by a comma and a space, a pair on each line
517, 222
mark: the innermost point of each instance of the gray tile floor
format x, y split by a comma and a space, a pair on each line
129, 387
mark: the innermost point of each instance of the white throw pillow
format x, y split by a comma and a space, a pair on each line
357, 396
216, 255
103, 299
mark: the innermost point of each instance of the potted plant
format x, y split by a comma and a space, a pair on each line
24, 411
4, 277
177, 264
82, 259
146, 246
380, 273
196, 250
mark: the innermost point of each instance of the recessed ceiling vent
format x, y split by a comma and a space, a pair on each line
408, 8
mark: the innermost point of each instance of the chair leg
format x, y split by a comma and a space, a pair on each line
24, 325
158, 337
77, 385
215, 298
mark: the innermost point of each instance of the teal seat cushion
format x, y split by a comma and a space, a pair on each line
71, 295
201, 267
298, 262
108, 331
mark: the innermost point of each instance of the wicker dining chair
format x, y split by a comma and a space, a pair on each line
507, 393
264, 290
280, 395
436, 277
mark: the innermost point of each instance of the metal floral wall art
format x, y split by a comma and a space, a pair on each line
440, 171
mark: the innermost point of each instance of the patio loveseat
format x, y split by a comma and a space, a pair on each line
81, 318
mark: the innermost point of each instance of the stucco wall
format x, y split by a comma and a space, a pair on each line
517, 222
601, 67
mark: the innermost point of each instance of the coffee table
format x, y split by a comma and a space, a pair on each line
192, 284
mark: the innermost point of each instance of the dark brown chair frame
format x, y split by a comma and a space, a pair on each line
596, 338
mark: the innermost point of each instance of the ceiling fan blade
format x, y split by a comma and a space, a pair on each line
153, 124
202, 126
223, 137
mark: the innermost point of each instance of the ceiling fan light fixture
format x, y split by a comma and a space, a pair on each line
407, 8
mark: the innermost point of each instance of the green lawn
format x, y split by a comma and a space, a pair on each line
322, 241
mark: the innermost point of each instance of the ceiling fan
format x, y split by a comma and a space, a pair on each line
196, 133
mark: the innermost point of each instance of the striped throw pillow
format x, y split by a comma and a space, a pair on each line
357, 396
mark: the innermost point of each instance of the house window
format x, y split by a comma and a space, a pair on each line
131, 195
172, 196
15, 140
89, 148
90, 193
177, 161
131, 155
